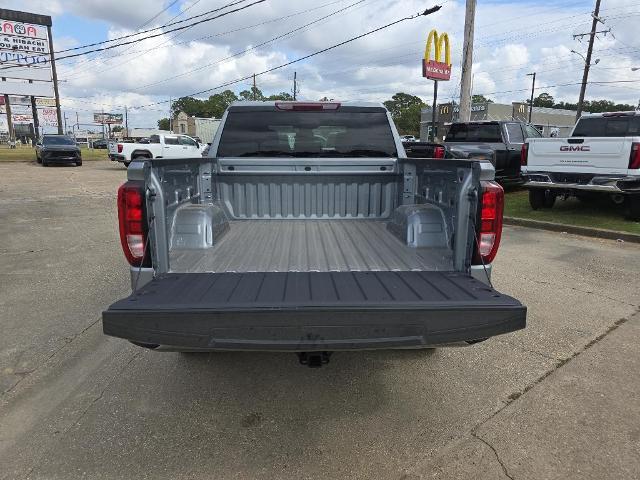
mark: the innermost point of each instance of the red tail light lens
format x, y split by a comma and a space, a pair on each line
524, 154
133, 225
438, 152
490, 228
120, 146
634, 158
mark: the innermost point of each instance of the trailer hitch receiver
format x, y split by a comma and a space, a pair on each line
314, 359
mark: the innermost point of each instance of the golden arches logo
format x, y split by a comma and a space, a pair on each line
437, 68
438, 41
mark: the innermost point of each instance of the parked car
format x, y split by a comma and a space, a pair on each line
282, 241
408, 138
159, 146
58, 149
501, 141
205, 152
101, 143
601, 157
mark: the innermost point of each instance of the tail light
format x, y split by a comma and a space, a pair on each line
490, 227
120, 146
634, 158
133, 222
524, 154
438, 152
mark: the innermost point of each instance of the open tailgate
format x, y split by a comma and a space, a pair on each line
312, 311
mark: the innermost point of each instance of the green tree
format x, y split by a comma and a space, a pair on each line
164, 123
117, 128
216, 104
543, 100
253, 94
284, 96
189, 105
405, 110
480, 99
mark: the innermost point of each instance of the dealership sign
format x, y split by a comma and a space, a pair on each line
108, 118
437, 68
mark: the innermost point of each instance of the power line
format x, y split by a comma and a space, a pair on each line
151, 29
162, 33
255, 47
428, 11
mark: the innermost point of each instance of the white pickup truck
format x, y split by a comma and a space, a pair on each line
159, 146
602, 156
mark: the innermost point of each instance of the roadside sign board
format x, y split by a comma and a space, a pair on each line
108, 118
25, 59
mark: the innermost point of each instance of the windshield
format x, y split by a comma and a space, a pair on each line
622, 126
474, 132
58, 141
307, 134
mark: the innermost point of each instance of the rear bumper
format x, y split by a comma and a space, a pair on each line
116, 158
449, 311
598, 183
307, 332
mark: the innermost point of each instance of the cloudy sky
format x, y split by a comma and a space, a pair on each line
512, 38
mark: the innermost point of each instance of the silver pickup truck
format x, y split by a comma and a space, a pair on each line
307, 229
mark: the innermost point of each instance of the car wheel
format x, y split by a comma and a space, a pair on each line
536, 198
38, 159
549, 199
79, 164
632, 210
44, 164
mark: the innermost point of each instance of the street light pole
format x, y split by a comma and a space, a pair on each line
533, 87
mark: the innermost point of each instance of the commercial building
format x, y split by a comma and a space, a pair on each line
550, 121
203, 128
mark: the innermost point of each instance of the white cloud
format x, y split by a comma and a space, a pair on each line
511, 40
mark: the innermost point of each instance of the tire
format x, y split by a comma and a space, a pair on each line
539, 198
44, 164
536, 198
79, 164
38, 159
632, 208
126, 164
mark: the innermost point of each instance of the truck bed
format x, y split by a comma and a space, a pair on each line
309, 246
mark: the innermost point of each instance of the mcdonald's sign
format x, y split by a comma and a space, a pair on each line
436, 68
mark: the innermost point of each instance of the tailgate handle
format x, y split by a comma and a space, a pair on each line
575, 140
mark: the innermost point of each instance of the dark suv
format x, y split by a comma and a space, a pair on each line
58, 149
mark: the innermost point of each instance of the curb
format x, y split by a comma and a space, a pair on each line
574, 229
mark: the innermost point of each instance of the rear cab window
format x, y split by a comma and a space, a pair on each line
475, 132
514, 131
342, 132
614, 126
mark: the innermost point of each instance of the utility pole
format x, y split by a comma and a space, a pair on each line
55, 79
77, 121
170, 117
587, 63
65, 123
295, 85
126, 122
467, 63
254, 86
7, 106
36, 121
533, 87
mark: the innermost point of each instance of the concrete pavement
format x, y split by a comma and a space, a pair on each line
553, 401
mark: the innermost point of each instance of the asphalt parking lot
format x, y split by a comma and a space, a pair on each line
557, 400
